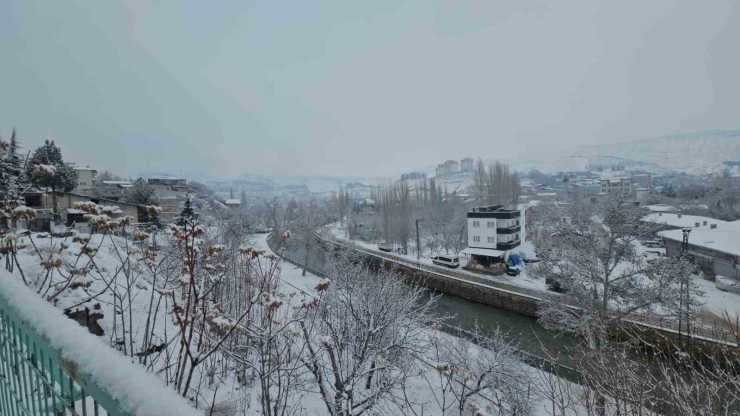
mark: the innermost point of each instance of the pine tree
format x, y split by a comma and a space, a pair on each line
48, 170
141, 193
187, 215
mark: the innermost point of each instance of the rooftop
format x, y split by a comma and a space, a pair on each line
233, 202
662, 208
684, 221
725, 240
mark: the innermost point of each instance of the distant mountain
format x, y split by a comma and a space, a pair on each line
694, 153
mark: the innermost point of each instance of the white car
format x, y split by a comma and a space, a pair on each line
448, 261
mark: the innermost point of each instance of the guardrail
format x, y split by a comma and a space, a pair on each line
38, 375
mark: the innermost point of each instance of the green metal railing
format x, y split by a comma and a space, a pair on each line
35, 379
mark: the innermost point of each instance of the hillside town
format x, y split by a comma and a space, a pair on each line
386, 208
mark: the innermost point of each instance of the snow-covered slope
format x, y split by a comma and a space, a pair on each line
694, 153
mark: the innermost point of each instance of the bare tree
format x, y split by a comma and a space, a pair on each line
367, 331
595, 258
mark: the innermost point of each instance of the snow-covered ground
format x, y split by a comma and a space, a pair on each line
419, 390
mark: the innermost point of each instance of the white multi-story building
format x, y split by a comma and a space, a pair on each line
617, 185
451, 166
495, 228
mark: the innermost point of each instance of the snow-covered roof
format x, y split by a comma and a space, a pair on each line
233, 202
483, 252
683, 221
116, 183
725, 240
662, 208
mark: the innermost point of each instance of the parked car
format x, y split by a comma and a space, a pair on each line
654, 244
530, 257
448, 261
512, 271
555, 285
385, 247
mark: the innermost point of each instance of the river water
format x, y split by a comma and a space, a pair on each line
464, 314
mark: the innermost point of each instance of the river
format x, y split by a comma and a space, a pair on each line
464, 314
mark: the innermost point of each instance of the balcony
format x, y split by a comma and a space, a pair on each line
509, 230
508, 245
46, 366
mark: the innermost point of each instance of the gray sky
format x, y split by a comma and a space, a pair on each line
366, 88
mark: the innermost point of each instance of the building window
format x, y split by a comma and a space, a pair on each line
491, 239
476, 224
516, 236
491, 224
517, 222
476, 239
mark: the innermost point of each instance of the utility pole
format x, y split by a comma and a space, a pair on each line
684, 314
418, 242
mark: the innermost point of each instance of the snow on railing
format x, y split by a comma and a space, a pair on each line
51, 365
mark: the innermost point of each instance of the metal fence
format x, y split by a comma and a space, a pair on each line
36, 380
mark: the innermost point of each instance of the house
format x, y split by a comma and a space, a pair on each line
233, 203
113, 190
715, 249
167, 187
676, 220
662, 208
42, 202
617, 185
170, 208
493, 230
85, 176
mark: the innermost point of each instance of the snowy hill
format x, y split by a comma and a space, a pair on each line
694, 153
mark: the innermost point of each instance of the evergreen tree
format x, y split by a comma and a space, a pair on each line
141, 193
48, 170
187, 215
18, 182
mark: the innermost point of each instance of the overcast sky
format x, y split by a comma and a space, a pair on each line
358, 88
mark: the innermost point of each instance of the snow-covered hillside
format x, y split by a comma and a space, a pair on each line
695, 153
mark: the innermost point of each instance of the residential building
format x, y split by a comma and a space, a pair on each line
662, 208
617, 185
676, 220
492, 231
233, 203
413, 175
715, 249
167, 187
170, 208
467, 164
42, 203
452, 166
168, 180
494, 228
642, 180
440, 170
85, 176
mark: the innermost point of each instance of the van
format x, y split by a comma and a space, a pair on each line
385, 247
448, 261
